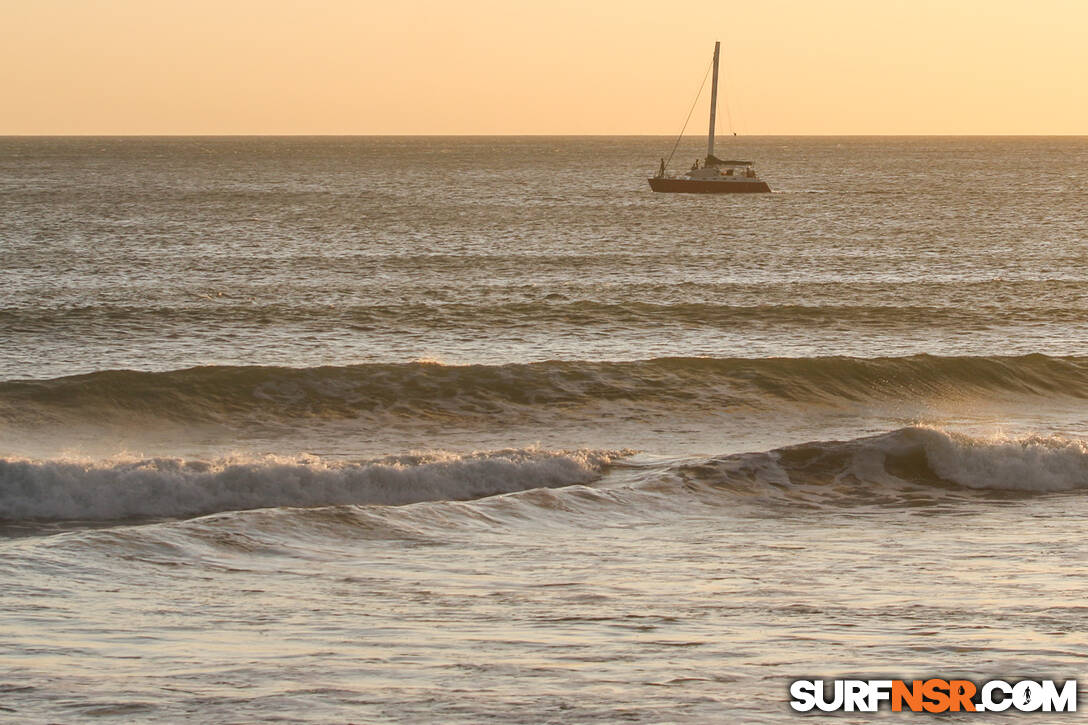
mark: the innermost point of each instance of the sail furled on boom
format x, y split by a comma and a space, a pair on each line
712, 160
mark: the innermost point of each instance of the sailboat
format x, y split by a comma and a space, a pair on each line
714, 176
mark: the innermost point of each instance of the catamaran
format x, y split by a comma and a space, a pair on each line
714, 176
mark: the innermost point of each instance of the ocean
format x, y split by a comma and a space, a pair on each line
480, 429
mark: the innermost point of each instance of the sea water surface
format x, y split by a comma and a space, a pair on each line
471, 429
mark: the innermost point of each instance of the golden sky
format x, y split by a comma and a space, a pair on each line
541, 66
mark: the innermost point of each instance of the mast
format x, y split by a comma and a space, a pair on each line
713, 103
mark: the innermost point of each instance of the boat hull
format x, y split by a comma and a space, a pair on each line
698, 186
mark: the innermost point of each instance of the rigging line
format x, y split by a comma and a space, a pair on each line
728, 114
692, 110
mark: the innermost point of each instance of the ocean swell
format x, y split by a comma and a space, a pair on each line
415, 391
561, 314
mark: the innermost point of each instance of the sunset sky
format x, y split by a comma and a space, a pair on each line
548, 66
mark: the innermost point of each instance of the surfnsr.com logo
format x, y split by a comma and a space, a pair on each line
933, 695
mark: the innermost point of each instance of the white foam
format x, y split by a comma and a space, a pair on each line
1030, 463
169, 487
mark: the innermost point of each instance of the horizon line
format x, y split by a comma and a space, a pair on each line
531, 135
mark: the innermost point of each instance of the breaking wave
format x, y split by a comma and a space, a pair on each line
173, 488
430, 390
909, 466
906, 467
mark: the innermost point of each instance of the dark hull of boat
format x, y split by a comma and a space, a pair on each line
695, 186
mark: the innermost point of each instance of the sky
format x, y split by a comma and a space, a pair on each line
541, 66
